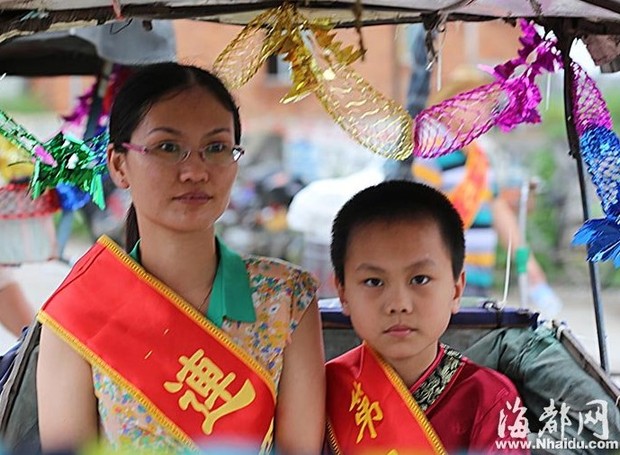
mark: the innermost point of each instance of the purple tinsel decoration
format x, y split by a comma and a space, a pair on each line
524, 97
81, 111
511, 100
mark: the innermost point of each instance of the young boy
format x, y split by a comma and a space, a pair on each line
397, 251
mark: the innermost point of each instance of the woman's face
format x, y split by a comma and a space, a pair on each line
183, 197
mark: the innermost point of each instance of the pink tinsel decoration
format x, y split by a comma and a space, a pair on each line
457, 121
44, 156
589, 107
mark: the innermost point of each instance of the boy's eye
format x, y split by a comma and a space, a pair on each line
168, 147
216, 148
373, 282
420, 279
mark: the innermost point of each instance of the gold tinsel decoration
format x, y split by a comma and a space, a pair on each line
320, 65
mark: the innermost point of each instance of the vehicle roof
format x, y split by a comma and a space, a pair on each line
28, 16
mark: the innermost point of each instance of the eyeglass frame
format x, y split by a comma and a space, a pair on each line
237, 151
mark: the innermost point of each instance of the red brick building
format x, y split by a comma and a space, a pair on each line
386, 65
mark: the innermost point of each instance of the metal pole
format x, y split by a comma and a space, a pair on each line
522, 268
565, 42
103, 80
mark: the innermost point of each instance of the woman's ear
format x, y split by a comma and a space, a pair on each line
116, 166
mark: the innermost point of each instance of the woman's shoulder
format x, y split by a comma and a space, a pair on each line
276, 268
273, 280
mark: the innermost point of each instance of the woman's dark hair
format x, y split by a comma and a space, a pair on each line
395, 201
148, 86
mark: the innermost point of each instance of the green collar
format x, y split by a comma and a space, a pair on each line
231, 297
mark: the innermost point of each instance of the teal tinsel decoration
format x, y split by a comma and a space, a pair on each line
62, 159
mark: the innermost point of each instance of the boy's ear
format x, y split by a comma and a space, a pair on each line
343, 299
116, 166
459, 288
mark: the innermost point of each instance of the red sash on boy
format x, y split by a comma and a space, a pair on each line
186, 372
468, 195
371, 411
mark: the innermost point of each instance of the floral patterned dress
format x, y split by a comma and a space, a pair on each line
280, 292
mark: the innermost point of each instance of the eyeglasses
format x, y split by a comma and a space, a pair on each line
217, 153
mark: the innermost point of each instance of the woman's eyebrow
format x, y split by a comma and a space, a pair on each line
171, 130
217, 131
165, 129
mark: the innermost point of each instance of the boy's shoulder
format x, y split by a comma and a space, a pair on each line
475, 393
485, 382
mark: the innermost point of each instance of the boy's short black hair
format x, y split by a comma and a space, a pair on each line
393, 201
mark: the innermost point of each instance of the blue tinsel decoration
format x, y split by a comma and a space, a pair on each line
600, 149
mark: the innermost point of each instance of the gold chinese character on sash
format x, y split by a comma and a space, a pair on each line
206, 386
366, 413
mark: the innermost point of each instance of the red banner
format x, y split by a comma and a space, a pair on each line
188, 373
468, 195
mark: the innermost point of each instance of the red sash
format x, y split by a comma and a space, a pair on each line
468, 195
186, 372
370, 410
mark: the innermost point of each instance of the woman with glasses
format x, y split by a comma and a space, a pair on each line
180, 343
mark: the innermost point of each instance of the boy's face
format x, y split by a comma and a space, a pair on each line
399, 290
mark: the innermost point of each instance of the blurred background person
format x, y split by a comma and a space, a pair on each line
15, 310
488, 218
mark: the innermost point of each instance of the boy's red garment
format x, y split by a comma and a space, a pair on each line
466, 414
472, 409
